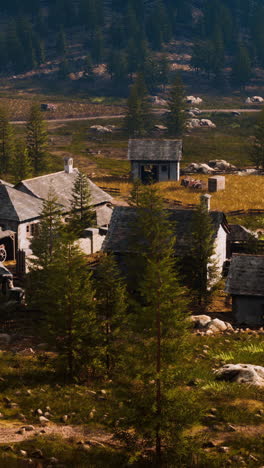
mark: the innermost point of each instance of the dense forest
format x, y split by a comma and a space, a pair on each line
126, 33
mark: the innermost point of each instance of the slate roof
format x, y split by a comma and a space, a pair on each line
117, 238
246, 275
18, 206
155, 150
62, 184
240, 233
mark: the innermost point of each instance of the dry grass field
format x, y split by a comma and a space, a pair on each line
19, 108
241, 193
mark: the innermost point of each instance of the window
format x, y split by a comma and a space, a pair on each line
164, 168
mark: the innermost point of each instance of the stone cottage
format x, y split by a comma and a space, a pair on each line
245, 283
117, 238
20, 206
155, 160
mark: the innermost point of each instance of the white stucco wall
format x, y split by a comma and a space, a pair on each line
23, 239
220, 249
93, 243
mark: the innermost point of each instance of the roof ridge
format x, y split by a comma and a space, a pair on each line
46, 175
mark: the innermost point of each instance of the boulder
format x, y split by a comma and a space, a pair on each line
242, 373
257, 99
221, 165
200, 321
157, 101
161, 128
194, 100
217, 326
207, 123
100, 129
193, 123
200, 168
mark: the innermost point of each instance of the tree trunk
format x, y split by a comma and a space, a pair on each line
158, 383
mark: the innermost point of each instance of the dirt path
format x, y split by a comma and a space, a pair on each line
8, 433
120, 116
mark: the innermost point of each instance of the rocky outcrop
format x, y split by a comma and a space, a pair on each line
254, 100
242, 373
210, 326
200, 168
221, 165
195, 100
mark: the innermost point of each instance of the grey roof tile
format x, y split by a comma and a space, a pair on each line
246, 275
18, 206
155, 150
62, 184
123, 218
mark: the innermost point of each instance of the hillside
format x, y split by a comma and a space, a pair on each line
221, 40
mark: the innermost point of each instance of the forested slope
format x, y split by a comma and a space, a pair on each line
124, 34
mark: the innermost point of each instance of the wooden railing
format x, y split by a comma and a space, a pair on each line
111, 190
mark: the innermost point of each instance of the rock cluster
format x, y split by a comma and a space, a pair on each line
210, 326
254, 100
194, 100
213, 166
205, 123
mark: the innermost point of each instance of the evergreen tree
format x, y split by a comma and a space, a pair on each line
81, 215
257, 151
21, 166
138, 120
37, 139
203, 275
111, 308
241, 71
97, 46
64, 294
157, 323
176, 104
6, 142
61, 43
48, 234
64, 69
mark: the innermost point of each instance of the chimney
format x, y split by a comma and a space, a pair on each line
206, 201
68, 165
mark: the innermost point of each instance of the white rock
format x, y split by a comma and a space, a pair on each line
217, 325
242, 373
257, 99
100, 129
200, 321
194, 100
207, 123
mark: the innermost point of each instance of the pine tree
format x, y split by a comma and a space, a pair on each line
111, 308
203, 275
37, 139
64, 293
138, 120
61, 45
6, 142
21, 166
49, 230
157, 323
257, 151
176, 103
81, 215
241, 70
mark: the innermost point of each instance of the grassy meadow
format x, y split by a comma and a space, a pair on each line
91, 437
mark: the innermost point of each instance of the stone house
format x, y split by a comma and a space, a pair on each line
20, 206
118, 235
155, 160
245, 283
